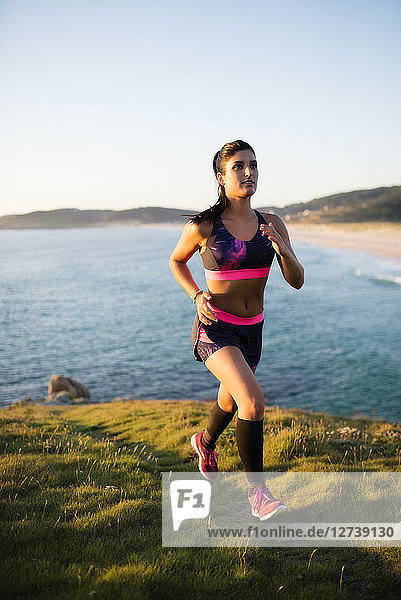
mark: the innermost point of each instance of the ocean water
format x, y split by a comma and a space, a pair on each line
101, 306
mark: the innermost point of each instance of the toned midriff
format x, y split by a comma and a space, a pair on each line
243, 297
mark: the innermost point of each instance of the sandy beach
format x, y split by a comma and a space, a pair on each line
380, 238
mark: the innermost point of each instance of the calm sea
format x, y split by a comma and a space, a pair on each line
101, 306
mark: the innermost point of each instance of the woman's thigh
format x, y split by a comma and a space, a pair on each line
229, 366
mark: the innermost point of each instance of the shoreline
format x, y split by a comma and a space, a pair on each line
379, 238
81, 403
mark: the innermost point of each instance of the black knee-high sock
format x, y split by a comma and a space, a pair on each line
250, 447
218, 421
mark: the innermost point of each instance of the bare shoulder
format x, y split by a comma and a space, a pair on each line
275, 219
205, 229
199, 232
193, 237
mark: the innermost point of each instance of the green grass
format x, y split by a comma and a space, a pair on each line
81, 505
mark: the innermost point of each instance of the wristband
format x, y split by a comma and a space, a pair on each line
194, 297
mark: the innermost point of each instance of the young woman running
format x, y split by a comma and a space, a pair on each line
237, 245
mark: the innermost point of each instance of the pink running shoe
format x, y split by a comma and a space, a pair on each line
207, 458
264, 505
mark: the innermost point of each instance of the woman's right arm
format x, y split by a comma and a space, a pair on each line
187, 245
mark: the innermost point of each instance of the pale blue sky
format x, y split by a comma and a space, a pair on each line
118, 104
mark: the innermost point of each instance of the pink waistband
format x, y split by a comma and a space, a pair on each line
237, 273
229, 318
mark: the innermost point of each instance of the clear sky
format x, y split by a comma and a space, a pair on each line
118, 104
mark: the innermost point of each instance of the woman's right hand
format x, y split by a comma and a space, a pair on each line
206, 315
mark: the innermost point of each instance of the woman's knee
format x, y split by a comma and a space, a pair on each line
255, 409
252, 409
252, 405
225, 400
250, 400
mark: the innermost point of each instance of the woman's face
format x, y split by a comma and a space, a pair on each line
241, 175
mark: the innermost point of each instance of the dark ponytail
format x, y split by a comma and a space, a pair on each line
220, 160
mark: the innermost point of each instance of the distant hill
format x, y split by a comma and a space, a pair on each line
380, 204
74, 217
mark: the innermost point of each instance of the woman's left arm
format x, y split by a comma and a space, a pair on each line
276, 231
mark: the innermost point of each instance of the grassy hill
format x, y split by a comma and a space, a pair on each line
74, 217
80, 505
380, 204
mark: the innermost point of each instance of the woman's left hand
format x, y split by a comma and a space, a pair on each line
278, 244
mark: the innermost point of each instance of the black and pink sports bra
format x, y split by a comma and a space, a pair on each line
226, 257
